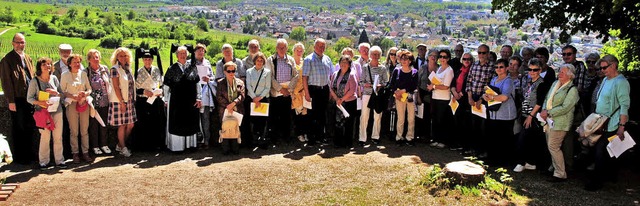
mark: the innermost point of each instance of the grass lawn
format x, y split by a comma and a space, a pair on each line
286, 175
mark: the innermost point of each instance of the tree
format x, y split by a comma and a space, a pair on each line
572, 17
443, 25
203, 24
385, 44
72, 13
298, 34
86, 13
342, 43
363, 37
131, 15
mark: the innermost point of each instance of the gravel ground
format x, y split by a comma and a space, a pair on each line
286, 175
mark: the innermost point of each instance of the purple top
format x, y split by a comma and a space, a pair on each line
401, 80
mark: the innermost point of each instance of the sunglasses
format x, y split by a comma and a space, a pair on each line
466, 59
392, 54
605, 67
533, 70
483, 52
231, 71
566, 54
591, 62
443, 57
499, 67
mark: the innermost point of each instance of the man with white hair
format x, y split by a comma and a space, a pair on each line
61, 66
283, 76
316, 69
16, 71
254, 47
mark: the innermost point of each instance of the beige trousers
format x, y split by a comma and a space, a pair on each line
45, 139
554, 142
364, 121
78, 123
401, 107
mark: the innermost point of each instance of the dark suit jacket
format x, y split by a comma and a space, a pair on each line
57, 71
13, 76
222, 96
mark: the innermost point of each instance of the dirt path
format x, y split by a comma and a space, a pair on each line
281, 176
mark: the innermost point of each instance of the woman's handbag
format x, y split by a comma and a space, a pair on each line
592, 128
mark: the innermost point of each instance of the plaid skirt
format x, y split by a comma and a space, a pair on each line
117, 117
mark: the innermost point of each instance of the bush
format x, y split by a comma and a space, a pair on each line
111, 42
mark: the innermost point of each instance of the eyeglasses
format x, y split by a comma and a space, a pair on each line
533, 70
483, 52
567, 54
19, 42
591, 62
392, 54
443, 57
231, 71
499, 67
466, 59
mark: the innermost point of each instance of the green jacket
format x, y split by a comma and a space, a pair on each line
564, 102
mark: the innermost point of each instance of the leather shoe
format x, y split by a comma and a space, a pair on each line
556, 179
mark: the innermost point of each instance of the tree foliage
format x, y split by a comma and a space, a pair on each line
342, 43
298, 34
572, 16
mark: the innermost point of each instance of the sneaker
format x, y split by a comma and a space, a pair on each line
440, 146
76, 158
302, 138
62, 166
125, 152
44, 167
361, 143
87, 158
97, 151
106, 149
529, 167
411, 143
519, 168
118, 148
434, 144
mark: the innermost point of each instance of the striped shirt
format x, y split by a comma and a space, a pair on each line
317, 68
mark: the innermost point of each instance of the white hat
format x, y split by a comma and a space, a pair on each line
65, 47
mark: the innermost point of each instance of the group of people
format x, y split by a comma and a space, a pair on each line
512, 110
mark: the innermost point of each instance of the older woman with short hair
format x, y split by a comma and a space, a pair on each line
99, 78
558, 106
76, 88
529, 146
258, 87
122, 110
404, 84
46, 82
230, 96
183, 103
342, 88
370, 72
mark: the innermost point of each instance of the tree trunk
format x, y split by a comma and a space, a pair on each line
464, 173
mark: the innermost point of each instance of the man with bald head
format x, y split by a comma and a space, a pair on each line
16, 70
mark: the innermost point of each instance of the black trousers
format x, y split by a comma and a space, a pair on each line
442, 121
500, 140
23, 140
259, 127
319, 99
280, 118
344, 128
605, 167
531, 146
98, 135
